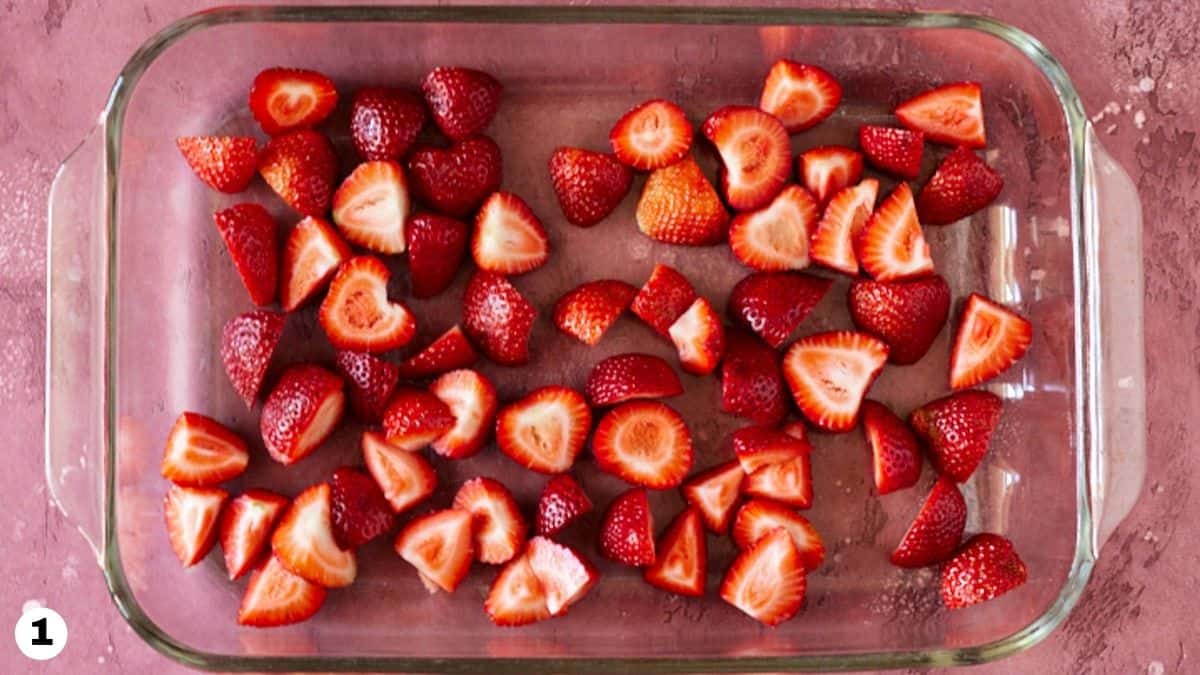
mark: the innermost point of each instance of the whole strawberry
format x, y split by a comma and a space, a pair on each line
589, 185
986, 567
455, 180
462, 101
907, 315
300, 166
956, 430
384, 122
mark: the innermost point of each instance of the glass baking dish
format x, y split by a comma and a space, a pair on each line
140, 285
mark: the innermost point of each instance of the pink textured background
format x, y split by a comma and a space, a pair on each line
1133, 61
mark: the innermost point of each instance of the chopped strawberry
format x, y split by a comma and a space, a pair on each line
666, 295
371, 382
304, 541
462, 101
201, 451
357, 314
896, 151
248, 341
626, 377
588, 310
436, 247
276, 597
627, 532
509, 238
245, 528
795, 429
892, 246
757, 447
681, 563
644, 443
679, 206
751, 382
406, 478
371, 205
415, 418
282, 99
653, 135
937, 529
302, 410
767, 580
772, 304
956, 430
788, 482
962, 185
191, 515
498, 318
840, 225
566, 575
829, 169
800, 95
986, 567
950, 114
300, 166
714, 492
562, 502
225, 163
516, 597
385, 121
310, 257
907, 315
472, 400
990, 339
699, 338
829, 374
759, 517
894, 452
546, 430
455, 180
776, 236
360, 512
440, 546
251, 236
589, 185
499, 526
755, 153
450, 351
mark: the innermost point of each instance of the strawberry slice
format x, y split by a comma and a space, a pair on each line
962, 185
589, 309
516, 597
714, 492
936, 531
245, 528
276, 597
829, 169
225, 163
682, 560
304, 541
751, 382
371, 205
679, 206
896, 151
472, 401
892, 246
415, 418
950, 114
757, 447
772, 304
250, 235
986, 567
439, 546
302, 410
829, 374
800, 95
562, 502
699, 337
455, 180
356, 313
566, 575
300, 167
760, 517
406, 478
509, 238
894, 452
450, 351
776, 236
589, 185
201, 451
767, 581
990, 339
907, 315
844, 218
462, 101
666, 295
626, 377
360, 512
498, 318
436, 248
191, 515
627, 531
788, 482
652, 135
755, 152
385, 121
644, 443
956, 430
546, 430
371, 383
310, 257
282, 99
248, 341
499, 526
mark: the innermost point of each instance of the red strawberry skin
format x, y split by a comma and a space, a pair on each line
625, 377
937, 529
562, 502
300, 167
896, 151
986, 567
498, 318
385, 121
450, 351
897, 458
455, 180
436, 247
461, 101
303, 395
371, 381
414, 418
679, 206
907, 315
962, 185
251, 236
225, 163
751, 381
627, 533
956, 430
588, 310
772, 304
359, 510
247, 343
589, 185
666, 295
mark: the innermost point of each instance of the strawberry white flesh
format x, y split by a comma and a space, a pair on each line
767, 581
276, 597
844, 218
406, 478
714, 492
472, 399
776, 237
951, 114
788, 482
509, 238
645, 443
829, 169
566, 575
682, 557
357, 314
755, 151
371, 205
191, 516
304, 541
800, 95
311, 255
892, 246
699, 337
829, 375
990, 339
439, 545
245, 528
499, 528
201, 451
651, 136
546, 430
759, 517
517, 597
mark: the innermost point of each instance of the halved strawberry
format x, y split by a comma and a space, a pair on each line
767, 581
714, 492
415, 418
990, 339
499, 528
450, 351
498, 318
950, 114
957, 430
370, 206
248, 341
384, 122
436, 247
191, 515
829, 374
653, 135
357, 314
892, 246
679, 206
509, 238
681, 563
360, 511
840, 225
759, 517
201, 451
251, 236
455, 180
699, 338
472, 400
894, 452
936, 531
751, 382
907, 315
245, 528
896, 151
300, 166
546, 430
644, 443
627, 531
562, 502
772, 304
788, 482
665, 296
755, 153
626, 377
462, 101
566, 575
589, 185
225, 163
757, 447
986, 567
276, 597
799, 94
440, 546
962, 185
516, 597
406, 478
290, 98
588, 310
304, 542
310, 257
371, 381
302, 410
776, 236
828, 169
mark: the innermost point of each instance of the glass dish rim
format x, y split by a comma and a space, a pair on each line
1086, 337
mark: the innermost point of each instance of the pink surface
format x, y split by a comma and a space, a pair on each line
1133, 68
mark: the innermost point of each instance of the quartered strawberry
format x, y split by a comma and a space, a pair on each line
828, 169
956, 430
509, 238
759, 517
251, 236
455, 180
772, 304
679, 206
499, 526
626, 377
589, 185
225, 163
844, 218
356, 312
384, 122
755, 153
415, 418
450, 351
201, 451
588, 310
699, 337
829, 374
962, 185
436, 247
666, 295
302, 410
311, 255
566, 575
371, 205
776, 236
516, 597
300, 166
282, 99
950, 114
907, 315
894, 452
562, 502
546, 430
498, 318
440, 546
892, 246
644, 443
759, 446
789, 482
936, 531
986, 567
767, 580
990, 339
896, 151
653, 135
472, 400
627, 531
800, 95
304, 541
406, 478
245, 528
371, 381
681, 561
360, 512
248, 341
462, 101
276, 597
751, 382
714, 492
191, 515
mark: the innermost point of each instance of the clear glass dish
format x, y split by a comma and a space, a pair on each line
140, 285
